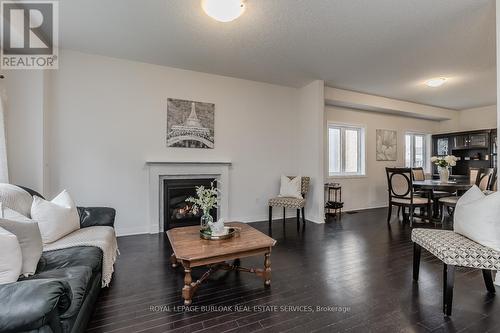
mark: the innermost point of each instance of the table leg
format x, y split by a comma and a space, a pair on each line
187, 291
267, 269
173, 260
406, 217
237, 262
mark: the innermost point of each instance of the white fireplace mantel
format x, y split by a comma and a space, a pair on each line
160, 170
188, 162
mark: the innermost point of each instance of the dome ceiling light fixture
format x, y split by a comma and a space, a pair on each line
435, 82
223, 10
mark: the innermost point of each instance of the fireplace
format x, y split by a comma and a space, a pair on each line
176, 211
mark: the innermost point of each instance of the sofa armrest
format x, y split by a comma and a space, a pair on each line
31, 304
30, 191
96, 216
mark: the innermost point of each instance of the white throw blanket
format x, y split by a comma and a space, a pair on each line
98, 236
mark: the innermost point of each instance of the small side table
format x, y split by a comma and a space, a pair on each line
333, 200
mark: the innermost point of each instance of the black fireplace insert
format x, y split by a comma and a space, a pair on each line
177, 212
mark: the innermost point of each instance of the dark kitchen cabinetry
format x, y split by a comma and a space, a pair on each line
474, 149
460, 141
480, 140
475, 140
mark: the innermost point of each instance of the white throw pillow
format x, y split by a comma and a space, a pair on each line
291, 188
11, 259
29, 238
55, 218
477, 217
15, 198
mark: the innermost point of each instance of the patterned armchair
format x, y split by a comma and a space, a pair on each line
294, 203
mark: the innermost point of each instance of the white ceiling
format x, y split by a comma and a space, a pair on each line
381, 47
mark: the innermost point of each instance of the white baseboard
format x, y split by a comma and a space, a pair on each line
364, 208
130, 231
263, 218
315, 219
260, 218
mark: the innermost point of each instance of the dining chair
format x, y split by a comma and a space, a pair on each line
418, 173
483, 180
493, 184
473, 174
400, 189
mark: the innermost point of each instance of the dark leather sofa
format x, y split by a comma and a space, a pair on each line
61, 295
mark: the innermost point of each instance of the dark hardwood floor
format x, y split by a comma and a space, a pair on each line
357, 265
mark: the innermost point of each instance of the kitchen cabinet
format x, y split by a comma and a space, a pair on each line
460, 141
474, 149
480, 140
470, 141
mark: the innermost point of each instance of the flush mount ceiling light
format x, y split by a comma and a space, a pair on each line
223, 10
435, 82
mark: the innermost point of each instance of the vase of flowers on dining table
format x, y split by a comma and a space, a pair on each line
444, 164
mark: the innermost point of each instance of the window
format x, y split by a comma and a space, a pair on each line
346, 150
416, 150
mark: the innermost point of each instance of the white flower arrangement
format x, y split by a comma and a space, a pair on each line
444, 162
206, 199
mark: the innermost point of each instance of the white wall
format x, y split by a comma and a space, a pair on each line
108, 116
310, 154
24, 126
471, 119
371, 191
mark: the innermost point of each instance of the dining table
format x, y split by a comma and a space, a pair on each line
454, 187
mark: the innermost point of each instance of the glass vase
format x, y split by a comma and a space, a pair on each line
444, 174
206, 218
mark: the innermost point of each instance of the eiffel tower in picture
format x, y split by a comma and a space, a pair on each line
191, 134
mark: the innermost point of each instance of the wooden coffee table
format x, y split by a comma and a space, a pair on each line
192, 251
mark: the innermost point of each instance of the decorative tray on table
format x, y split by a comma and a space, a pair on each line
230, 233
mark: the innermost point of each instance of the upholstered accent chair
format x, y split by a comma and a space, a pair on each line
291, 203
483, 178
454, 250
400, 188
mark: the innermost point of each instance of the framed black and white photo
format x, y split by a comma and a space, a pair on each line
190, 124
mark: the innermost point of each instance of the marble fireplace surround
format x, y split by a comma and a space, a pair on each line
160, 170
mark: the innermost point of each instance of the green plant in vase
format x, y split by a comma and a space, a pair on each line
206, 199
